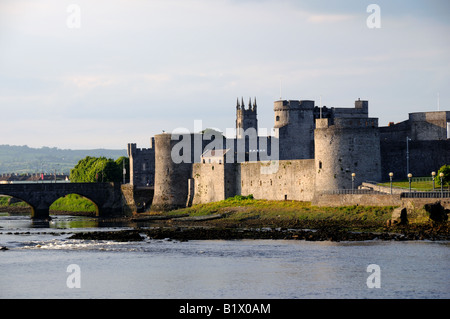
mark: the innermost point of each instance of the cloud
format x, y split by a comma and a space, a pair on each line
137, 67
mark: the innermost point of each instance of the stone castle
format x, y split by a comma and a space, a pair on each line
312, 150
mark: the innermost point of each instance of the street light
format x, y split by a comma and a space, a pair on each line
441, 175
409, 177
390, 177
353, 181
407, 154
433, 175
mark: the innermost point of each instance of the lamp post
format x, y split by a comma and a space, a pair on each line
353, 182
409, 177
433, 175
390, 178
407, 154
124, 171
441, 175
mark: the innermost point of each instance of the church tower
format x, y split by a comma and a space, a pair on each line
245, 118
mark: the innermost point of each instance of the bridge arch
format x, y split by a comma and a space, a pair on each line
75, 202
107, 197
30, 206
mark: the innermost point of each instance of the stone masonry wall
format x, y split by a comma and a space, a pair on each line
293, 180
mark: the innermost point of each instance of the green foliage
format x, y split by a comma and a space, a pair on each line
98, 169
446, 179
239, 198
73, 203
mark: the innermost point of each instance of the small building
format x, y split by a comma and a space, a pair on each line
214, 156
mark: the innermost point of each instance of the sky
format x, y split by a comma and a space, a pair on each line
85, 74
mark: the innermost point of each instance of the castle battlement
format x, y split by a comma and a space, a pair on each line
347, 123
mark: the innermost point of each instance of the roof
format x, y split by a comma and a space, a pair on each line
215, 153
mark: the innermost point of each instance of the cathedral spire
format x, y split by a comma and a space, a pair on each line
242, 103
237, 104
254, 104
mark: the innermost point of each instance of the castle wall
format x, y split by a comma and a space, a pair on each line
424, 157
277, 180
349, 146
429, 125
292, 180
328, 200
421, 126
142, 165
213, 182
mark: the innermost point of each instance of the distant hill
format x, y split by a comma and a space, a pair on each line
24, 159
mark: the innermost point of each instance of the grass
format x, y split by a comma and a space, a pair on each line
245, 208
73, 203
418, 185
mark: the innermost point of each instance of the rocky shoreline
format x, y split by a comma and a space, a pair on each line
325, 233
219, 227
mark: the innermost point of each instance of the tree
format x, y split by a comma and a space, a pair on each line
446, 178
98, 169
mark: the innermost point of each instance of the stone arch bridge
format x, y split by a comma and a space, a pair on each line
107, 197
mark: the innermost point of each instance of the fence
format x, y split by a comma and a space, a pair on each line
351, 192
439, 194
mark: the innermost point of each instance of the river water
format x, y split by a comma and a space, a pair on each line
40, 258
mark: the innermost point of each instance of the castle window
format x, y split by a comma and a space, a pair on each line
277, 118
212, 167
270, 182
260, 183
320, 164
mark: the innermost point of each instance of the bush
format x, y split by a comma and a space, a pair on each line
240, 198
98, 169
446, 179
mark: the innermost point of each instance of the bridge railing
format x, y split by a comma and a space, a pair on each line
436, 194
351, 192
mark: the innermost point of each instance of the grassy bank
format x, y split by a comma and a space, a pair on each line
246, 210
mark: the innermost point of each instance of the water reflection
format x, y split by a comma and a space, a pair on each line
16, 221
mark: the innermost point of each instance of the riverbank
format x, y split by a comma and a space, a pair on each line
246, 218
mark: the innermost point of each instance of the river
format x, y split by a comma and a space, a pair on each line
42, 262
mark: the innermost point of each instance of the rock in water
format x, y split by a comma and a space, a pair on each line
399, 216
437, 212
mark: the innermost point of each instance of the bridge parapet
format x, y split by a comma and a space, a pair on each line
107, 197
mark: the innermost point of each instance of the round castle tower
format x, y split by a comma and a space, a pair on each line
294, 126
171, 179
351, 145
